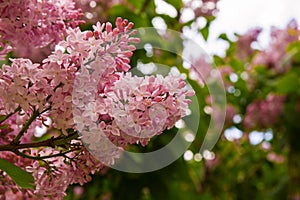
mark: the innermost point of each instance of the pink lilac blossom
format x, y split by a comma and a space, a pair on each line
15, 123
225, 72
264, 113
132, 110
200, 69
144, 107
48, 87
99, 114
35, 54
18, 85
83, 87
204, 8
275, 56
276, 158
29, 24
230, 113
244, 49
72, 168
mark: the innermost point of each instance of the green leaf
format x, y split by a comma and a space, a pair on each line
176, 3
218, 60
223, 36
205, 32
118, 10
261, 69
236, 64
4, 126
2, 117
293, 51
18, 175
137, 4
289, 83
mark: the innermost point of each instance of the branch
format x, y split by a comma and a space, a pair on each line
52, 142
44, 157
34, 115
10, 114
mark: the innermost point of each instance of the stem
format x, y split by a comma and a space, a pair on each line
52, 142
10, 114
34, 115
65, 140
90, 61
44, 157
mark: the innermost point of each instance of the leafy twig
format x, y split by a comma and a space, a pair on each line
52, 142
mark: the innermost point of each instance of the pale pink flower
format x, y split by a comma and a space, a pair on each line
244, 49
274, 57
85, 88
34, 24
144, 107
264, 113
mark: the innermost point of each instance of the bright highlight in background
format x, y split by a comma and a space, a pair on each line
252, 13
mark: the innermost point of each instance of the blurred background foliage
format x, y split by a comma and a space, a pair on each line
257, 155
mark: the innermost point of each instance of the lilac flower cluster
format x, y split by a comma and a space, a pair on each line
275, 56
264, 113
83, 86
204, 8
27, 24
